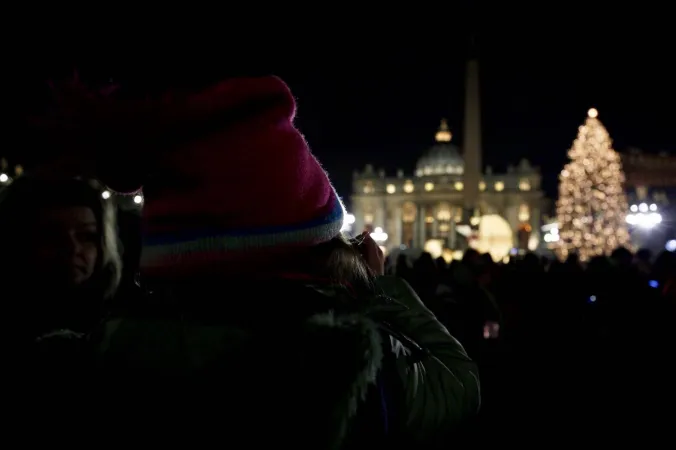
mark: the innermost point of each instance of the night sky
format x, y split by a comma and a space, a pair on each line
379, 98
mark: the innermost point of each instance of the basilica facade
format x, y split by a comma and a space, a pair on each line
427, 205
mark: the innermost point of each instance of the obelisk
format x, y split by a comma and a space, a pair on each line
472, 133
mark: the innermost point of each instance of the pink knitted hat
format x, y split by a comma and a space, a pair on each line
231, 177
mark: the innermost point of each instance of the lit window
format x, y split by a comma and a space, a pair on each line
444, 213
482, 186
458, 186
524, 213
408, 187
368, 188
391, 189
499, 186
368, 219
429, 186
641, 192
524, 184
408, 212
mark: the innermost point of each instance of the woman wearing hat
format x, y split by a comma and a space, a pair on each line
261, 309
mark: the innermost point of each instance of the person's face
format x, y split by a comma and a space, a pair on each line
66, 244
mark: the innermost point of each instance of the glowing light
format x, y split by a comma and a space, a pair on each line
444, 134
434, 247
348, 221
644, 220
391, 189
429, 186
495, 236
524, 185
408, 187
549, 237
592, 206
533, 241
491, 330
524, 213
671, 245
447, 254
105, 195
3, 178
138, 199
379, 235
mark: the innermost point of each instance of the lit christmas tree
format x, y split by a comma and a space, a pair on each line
592, 205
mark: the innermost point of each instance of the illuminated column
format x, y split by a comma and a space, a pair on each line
451, 234
421, 235
535, 217
511, 215
379, 216
391, 223
398, 218
535, 222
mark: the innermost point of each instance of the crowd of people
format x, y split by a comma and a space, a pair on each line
566, 348
215, 318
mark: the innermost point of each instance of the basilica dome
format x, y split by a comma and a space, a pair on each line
443, 157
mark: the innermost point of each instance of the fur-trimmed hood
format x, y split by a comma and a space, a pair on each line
349, 345
305, 359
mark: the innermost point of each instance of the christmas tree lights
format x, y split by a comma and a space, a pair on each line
592, 205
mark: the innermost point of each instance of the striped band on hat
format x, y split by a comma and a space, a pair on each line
191, 248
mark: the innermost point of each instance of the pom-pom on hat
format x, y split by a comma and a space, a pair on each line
231, 178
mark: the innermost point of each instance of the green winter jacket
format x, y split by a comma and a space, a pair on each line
442, 390
309, 355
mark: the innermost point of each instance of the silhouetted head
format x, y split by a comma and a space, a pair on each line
644, 255
622, 257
